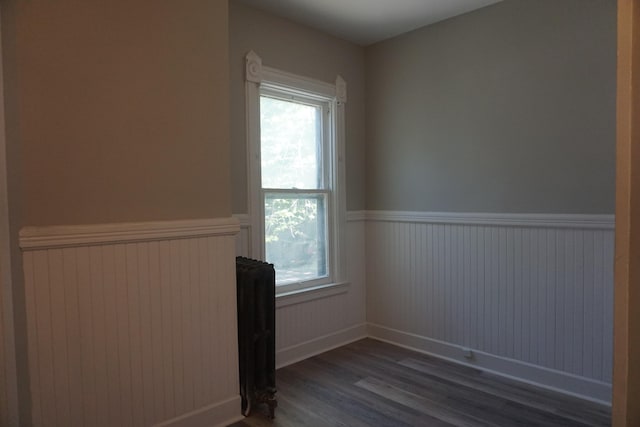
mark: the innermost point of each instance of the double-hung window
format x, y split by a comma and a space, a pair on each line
296, 190
297, 199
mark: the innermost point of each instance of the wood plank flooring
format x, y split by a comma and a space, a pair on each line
371, 383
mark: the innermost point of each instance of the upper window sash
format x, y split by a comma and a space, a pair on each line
326, 137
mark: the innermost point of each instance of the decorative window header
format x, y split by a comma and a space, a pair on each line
255, 72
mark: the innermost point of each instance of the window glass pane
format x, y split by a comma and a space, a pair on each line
295, 236
290, 135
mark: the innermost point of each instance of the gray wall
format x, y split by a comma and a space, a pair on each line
120, 124
297, 49
510, 108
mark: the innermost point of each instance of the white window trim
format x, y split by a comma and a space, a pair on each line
258, 76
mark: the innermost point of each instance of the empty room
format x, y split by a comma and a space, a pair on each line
443, 192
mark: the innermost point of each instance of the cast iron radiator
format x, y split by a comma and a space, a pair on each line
256, 283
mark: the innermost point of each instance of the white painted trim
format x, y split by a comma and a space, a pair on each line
243, 219
354, 216
253, 67
341, 90
243, 238
296, 353
604, 222
539, 376
309, 294
255, 205
585, 221
338, 227
219, 414
279, 78
33, 238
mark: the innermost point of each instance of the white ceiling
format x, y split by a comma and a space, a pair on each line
368, 21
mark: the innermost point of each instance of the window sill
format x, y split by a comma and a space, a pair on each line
300, 296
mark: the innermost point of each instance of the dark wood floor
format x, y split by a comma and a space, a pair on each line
370, 383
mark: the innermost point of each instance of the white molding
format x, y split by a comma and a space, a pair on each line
582, 221
243, 219
56, 236
341, 90
293, 83
296, 353
539, 376
585, 221
253, 67
219, 414
243, 238
354, 216
254, 168
339, 183
305, 295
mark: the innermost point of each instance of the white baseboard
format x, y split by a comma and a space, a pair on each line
562, 382
296, 353
219, 414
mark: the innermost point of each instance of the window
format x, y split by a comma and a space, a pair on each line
293, 160
297, 200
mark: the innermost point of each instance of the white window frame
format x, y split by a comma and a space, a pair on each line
261, 77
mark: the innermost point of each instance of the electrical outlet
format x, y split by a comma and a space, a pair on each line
467, 353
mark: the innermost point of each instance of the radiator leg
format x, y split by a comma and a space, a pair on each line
270, 400
247, 409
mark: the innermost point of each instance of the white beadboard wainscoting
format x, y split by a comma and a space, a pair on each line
132, 324
330, 318
530, 295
